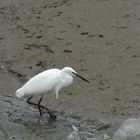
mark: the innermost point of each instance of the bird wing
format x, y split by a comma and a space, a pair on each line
42, 82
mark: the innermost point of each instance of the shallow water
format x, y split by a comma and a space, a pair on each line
21, 121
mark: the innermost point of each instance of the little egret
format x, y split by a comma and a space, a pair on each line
49, 80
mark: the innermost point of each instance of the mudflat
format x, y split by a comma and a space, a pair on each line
98, 38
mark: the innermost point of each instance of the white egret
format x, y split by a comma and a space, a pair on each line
49, 80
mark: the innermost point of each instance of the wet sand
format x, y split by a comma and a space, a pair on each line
98, 38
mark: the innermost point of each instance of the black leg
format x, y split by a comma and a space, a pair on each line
52, 115
38, 105
39, 108
29, 101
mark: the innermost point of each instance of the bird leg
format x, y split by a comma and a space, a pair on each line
52, 115
38, 105
39, 108
29, 101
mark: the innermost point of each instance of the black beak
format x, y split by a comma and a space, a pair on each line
81, 77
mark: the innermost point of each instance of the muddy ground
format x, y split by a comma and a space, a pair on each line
98, 38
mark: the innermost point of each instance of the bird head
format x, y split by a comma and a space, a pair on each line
72, 72
69, 71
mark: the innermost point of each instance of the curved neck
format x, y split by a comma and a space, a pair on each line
66, 78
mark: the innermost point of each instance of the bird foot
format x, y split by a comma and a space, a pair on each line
52, 115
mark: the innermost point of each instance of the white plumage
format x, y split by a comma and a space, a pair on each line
49, 80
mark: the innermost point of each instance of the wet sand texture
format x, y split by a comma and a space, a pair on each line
98, 38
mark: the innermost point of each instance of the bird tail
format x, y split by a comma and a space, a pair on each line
19, 93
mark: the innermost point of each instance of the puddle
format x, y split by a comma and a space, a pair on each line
21, 121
